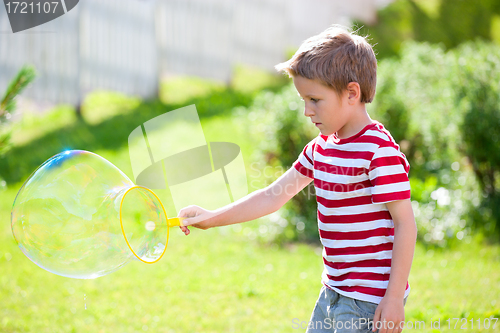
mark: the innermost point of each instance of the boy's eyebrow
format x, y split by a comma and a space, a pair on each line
310, 95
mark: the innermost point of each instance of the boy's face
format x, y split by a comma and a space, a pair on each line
322, 104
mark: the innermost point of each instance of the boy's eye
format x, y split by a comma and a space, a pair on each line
314, 100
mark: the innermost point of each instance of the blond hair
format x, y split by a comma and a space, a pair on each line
336, 57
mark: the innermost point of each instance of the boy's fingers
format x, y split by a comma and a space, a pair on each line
185, 230
191, 220
382, 325
376, 319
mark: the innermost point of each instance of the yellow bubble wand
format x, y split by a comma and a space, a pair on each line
172, 222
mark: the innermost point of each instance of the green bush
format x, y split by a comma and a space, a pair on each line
278, 120
478, 98
448, 22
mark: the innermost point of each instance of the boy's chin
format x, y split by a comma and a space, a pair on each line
326, 133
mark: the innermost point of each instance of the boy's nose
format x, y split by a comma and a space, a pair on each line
308, 112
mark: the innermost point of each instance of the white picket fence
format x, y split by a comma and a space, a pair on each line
128, 45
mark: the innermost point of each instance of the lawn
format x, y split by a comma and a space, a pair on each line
222, 280
225, 279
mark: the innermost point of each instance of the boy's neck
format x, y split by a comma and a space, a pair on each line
359, 120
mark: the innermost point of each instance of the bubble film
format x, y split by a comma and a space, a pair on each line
79, 216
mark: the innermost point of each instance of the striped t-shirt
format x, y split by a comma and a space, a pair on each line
354, 178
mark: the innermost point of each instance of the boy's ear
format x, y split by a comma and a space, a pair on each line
354, 92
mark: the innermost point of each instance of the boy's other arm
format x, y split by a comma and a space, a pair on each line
254, 205
391, 308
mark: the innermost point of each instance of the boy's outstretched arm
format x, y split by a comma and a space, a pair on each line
250, 207
391, 307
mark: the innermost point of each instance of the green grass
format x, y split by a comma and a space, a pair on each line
219, 280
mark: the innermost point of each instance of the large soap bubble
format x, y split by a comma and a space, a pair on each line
79, 216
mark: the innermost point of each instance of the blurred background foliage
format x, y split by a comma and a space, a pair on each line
446, 22
8, 104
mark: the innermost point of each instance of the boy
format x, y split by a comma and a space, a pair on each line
365, 218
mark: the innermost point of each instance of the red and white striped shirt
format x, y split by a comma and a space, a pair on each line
354, 178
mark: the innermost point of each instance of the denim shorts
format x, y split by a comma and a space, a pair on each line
341, 314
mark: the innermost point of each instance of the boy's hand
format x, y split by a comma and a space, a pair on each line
196, 216
390, 309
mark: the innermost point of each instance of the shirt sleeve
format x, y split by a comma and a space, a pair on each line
305, 162
388, 175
